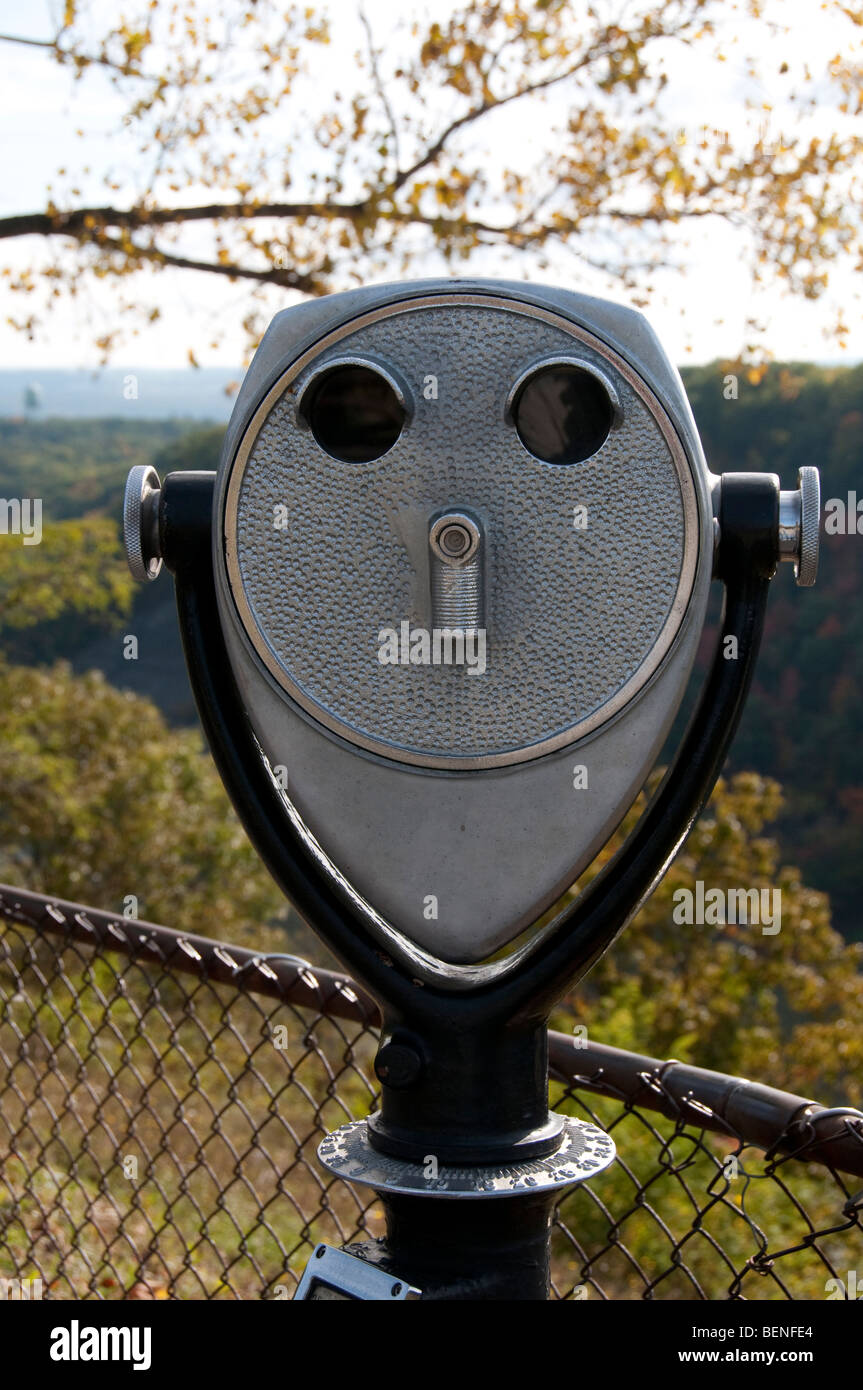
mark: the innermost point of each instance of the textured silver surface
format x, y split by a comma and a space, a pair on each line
496, 848
495, 844
575, 618
140, 524
456, 582
584, 1151
809, 483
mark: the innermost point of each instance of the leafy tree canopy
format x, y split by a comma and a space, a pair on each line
266, 153
102, 802
77, 569
779, 1006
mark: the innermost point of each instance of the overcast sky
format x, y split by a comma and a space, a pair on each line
699, 315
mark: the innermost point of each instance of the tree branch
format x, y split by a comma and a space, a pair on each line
31, 43
379, 86
287, 279
81, 60
85, 220
602, 48
483, 107
89, 225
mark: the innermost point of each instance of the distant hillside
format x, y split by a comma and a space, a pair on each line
127, 393
79, 467
802, 722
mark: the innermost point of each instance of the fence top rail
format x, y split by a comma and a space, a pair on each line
280, 976
783, 1124
786, 1126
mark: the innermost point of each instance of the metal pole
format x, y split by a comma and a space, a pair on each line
473, 1249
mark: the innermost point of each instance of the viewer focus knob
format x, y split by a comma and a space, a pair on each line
141, 522
799, 521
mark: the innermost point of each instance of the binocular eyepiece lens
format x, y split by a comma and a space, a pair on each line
562, 414
354, 413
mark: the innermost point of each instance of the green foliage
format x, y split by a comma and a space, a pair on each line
78, 569
782, 1008
59, 597
79, 467
101, 801
184, 1078
198, 447
801, 721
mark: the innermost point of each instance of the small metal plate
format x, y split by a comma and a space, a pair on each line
334, 1275
584, 1151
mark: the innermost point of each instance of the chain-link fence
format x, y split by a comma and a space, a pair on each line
162, 1097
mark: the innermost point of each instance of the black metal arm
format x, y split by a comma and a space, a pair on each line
467, 1072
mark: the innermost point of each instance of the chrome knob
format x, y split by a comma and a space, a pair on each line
455, 543
141, 522
799, 522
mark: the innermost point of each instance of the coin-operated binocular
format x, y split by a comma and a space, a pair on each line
440, 605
